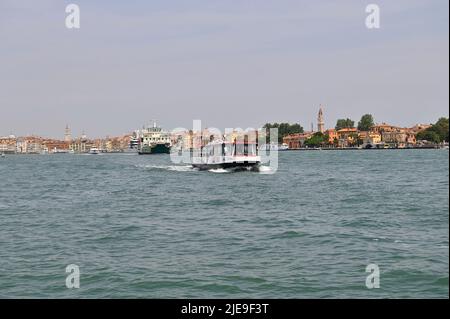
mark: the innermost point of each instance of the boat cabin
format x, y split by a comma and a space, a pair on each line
226, 148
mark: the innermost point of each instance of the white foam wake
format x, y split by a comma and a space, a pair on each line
218, 170
175, 168
265, 169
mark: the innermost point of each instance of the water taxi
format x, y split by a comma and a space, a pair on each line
227, 154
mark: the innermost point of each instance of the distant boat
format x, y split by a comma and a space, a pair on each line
94, 151
274, 147
60, 151
3, 155
133, 146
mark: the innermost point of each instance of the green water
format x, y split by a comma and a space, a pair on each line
139, 226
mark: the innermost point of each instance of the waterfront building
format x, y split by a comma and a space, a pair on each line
297, 140
29, 145
370, 139
81, 144
347, 136
34, 147
419, 127
410, 139
332, 135
399, 138
114, 144
108, 145
8, 145
55, 146
384, 127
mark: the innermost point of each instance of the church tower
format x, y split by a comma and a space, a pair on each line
67, 134
320, 122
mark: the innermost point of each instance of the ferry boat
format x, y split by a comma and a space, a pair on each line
153, 140
94, 151
227, 154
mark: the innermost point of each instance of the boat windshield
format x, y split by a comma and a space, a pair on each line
242, 149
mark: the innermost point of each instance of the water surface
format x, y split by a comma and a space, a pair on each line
141, 227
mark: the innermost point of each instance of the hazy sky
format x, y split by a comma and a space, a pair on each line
234, 63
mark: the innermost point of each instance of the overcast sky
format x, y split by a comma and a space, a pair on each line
229, 63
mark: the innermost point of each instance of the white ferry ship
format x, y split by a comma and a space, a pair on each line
153, 140
226, 154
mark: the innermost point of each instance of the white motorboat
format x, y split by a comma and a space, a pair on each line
274, 147
226, 154
94, 151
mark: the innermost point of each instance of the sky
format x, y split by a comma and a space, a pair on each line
230, 64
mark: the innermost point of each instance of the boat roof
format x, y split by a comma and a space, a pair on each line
220, 142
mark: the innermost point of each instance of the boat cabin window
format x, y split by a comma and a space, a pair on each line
218, 149
245, 149
229, 149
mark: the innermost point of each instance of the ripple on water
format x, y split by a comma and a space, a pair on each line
288, 234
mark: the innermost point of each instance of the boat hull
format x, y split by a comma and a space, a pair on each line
155, 149
240, 165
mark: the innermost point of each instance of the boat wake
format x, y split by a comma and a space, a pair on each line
189, 168
265, 170
174, 168
220, 170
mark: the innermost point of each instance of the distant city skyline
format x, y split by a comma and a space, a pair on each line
238, 64
67, 133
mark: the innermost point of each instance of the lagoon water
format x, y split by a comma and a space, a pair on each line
141, 227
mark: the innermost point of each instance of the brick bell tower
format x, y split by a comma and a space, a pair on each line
320, 122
